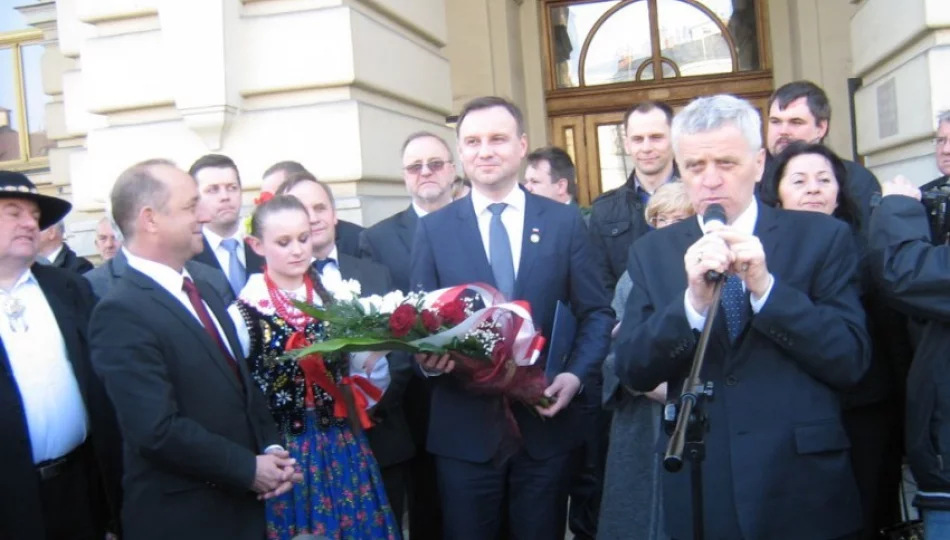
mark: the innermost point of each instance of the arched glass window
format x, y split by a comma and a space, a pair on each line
629, 41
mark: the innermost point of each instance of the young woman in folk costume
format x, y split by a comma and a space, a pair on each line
318, 403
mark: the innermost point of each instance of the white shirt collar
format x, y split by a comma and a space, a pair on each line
215, 241
418, 210
746, 221
166, 276
334, 254
26, 277
515, 199
52, 256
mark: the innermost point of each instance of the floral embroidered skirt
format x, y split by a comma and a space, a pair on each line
341, 496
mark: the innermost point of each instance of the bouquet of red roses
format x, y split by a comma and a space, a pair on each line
494, 343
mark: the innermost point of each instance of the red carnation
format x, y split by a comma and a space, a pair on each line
430, 321
402, 320
453, 312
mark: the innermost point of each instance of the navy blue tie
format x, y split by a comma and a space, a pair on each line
499, 252
322, 263
734, 307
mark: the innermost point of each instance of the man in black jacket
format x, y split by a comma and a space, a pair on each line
616, 218
55, 252
942, 144
60, 453
912, 274
800, 111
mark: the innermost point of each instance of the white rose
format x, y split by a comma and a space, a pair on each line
346, 290
371, 304
391, 301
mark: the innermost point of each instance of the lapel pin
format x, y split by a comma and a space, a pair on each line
535, 236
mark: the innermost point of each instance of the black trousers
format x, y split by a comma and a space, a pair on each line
394, 480
71, 501
588, 463
524, 499
425, 507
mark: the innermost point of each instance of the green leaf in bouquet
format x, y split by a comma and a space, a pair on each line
354, 344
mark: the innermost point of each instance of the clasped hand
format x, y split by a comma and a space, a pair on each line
275, 474
724, 249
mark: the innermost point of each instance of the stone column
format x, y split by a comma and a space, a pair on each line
334, 84
901, 51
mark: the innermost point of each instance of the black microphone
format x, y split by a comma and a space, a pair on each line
714, 212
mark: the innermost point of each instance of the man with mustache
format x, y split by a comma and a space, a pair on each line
800, 111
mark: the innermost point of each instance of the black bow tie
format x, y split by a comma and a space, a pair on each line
320, 264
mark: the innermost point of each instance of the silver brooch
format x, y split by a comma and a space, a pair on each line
13, 308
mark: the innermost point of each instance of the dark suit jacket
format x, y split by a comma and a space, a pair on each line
191, 429
448, 251
68, 260
104, 277
776, 453
348, 237
21, 516
389, 243
254, 263
389, 437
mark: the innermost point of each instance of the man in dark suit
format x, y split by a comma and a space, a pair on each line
55, 252
60, 451
530, 249
800, 111
429, 176
347, 233
105, 276
201, 449
942, 149
389, 438
789, 334
219, 183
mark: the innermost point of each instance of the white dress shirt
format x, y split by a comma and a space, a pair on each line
330, 276
418, 209
223, 256
745, 224
512, 217
52, 403
172, 281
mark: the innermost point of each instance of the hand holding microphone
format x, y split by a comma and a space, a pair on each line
723, 249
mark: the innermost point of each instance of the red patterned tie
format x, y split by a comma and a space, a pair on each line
195, 298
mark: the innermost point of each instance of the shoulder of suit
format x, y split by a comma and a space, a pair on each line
385, 224
364, 264
349, 227
806, 221
609, 196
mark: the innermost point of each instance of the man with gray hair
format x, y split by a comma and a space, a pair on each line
790, 335
942, 149
55, 252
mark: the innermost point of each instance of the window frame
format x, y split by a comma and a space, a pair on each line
15, 41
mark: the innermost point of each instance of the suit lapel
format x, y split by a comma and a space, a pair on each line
348, 268
720, 334
407, 227
470, 241
219, 311
175, 307
533, 225
765, 228
254, 262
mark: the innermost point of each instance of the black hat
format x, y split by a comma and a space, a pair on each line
14, 185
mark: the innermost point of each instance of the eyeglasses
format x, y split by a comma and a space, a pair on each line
434, 165
940, 142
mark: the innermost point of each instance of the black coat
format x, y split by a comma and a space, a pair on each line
389, 438
68, 260
389, 243
71, 301
191, 429
912, 275
348, 237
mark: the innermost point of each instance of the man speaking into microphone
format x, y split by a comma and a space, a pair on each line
789, 333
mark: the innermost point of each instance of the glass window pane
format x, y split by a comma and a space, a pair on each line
9, 127
10, 18
692, 39
569, 28
615, 165
36, 99
620, 45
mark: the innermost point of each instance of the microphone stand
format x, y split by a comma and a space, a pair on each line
685, 420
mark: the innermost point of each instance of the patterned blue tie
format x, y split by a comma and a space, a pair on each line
237, 276
499, 252
733, 303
